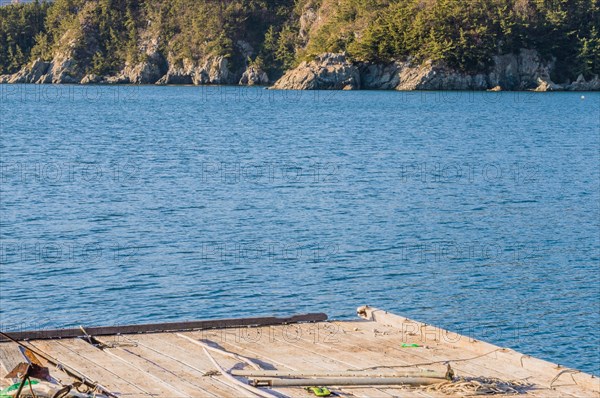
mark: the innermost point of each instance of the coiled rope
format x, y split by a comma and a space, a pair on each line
480, 386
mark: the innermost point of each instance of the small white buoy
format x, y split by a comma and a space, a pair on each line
583, 97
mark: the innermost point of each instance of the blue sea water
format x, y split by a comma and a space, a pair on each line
477, 212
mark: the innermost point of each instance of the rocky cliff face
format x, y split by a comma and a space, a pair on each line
523, 71
206, 42
254, 76
327, 72
214, 70
155, 68
61, 69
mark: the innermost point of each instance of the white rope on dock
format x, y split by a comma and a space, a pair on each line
238, 385
247, 361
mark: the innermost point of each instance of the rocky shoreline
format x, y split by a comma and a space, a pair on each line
329, 71
513, 72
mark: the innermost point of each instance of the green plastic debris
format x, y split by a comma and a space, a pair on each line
5, 393
404, 345
319, 391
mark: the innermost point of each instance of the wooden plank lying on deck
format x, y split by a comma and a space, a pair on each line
163, 327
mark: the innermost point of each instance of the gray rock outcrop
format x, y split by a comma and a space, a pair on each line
91, 79
545, 84
307, 19
217, 70
523, 71
380, 77
58, 71
30, 73
430, 77
254, 76
214, 70
583, 85
62, 71
328, 71
147, 72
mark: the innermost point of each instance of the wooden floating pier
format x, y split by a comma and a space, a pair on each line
377, 355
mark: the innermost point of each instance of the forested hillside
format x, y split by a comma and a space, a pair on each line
466, 34
108, 33
103, 36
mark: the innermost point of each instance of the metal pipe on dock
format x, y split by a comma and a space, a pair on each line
341, 381
251, 374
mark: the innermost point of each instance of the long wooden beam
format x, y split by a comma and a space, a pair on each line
164, 327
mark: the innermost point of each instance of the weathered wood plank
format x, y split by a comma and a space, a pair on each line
128, 371
273, 348
174, 362
542, 368
323, 340
167, 364
188, 346
10, 356
465, 360
334, 341
172, 379
163, 327
115, 382
192, 355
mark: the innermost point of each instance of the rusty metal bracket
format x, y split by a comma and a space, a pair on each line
29, 369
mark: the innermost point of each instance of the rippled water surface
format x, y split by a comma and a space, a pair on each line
477, 212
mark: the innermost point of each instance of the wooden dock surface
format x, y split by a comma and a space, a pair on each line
175, 364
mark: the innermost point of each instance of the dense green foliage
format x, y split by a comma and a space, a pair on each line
104, 35
193, 29
466, 34
20, 27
